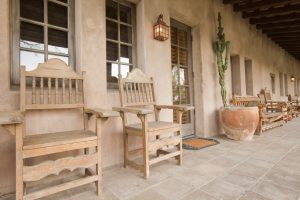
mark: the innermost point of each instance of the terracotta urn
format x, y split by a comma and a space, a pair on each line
239, 123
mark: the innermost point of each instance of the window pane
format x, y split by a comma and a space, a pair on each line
57, 15
184, 95
183, 57
183, 76
112, 72
125, 14
111, 51
31, 36
64, 1
63, 58
31, 59
174, 35
174, 55
111, 9
32, 9
126, 54
124, 70
182, 38
58, 41
126, 34
111, 30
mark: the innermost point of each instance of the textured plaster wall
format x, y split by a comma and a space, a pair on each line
153, 57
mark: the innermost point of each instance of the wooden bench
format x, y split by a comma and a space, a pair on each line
267, 120
54, 86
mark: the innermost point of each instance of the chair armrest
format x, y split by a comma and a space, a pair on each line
138, 111
102, 113
11, 117
175, 107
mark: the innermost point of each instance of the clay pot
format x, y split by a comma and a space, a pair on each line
239, 123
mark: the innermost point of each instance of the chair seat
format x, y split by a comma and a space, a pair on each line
154, 126
58, 138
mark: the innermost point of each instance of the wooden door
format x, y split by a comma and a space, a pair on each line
182, 72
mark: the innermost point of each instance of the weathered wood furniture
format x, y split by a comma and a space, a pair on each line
54, 85
267, 120
275, 106
295, 105
137, 96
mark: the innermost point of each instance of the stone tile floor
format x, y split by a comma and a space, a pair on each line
266, 168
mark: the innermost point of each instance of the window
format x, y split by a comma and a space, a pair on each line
235, 75
281, 83
286, 91
272, 83
42, 29
248, 77
120, 49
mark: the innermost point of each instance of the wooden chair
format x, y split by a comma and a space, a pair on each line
267, 120
52, 86
275, 106
137, 96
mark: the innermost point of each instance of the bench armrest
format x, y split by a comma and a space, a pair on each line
102, 113
11, 117
138, 111
175, 107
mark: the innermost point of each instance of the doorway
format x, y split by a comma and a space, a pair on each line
182, 73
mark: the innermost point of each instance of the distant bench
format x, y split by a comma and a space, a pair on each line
267, 120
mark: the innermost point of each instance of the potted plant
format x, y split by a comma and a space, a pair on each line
239, 123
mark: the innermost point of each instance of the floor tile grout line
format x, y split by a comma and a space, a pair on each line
260, 178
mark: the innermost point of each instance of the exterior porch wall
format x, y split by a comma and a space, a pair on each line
154, 58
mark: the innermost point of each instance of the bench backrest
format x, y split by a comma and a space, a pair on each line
136, 89
52, 85
245, 100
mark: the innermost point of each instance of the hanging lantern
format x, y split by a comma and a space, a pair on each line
292, 78
161, 29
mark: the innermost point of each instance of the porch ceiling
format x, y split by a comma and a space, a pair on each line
278, 19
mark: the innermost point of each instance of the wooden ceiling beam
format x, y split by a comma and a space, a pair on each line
275, 19
283, 39
263, 4
287, 34
231, 1
288, 9
295, 23
282, 30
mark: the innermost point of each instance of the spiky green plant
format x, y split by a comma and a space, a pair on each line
221, 47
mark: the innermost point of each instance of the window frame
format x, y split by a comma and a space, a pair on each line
112, 85
16, 31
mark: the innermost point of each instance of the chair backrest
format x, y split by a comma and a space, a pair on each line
267, 94
136, 89
52, 85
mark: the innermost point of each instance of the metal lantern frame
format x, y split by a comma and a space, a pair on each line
161, 29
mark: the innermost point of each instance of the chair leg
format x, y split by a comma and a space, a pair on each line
125, 149
146, 156
19, 163
99, 165
179, 148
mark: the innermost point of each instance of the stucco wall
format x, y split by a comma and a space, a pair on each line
154, 58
